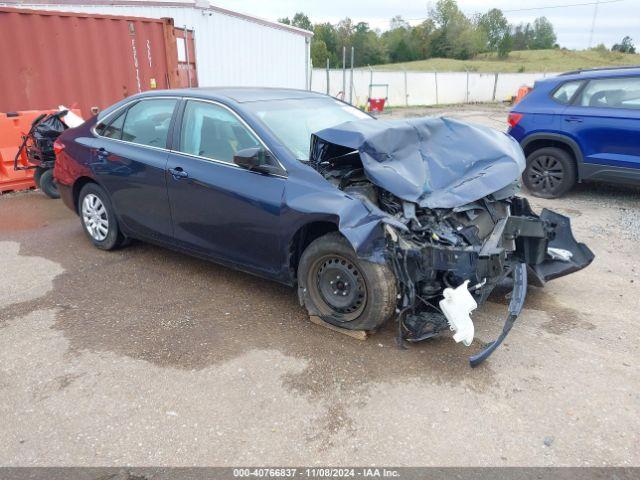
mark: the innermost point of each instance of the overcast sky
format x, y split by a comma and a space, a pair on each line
615, 18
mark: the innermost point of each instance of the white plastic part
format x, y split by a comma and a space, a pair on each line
71, 120
560, 254
457, 306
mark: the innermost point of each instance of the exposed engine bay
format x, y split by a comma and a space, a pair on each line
453, 227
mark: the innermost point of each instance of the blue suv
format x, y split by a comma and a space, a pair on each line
581, 125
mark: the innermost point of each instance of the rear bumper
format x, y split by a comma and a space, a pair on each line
66, 194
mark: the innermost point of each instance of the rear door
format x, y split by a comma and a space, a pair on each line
129, 160
218, 208
604, 118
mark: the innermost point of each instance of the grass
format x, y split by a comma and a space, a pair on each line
557, 60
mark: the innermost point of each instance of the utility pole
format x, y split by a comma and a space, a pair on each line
593, 22
344, 72
351, 79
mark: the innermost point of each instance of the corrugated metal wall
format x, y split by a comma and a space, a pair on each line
52, 58
230, 51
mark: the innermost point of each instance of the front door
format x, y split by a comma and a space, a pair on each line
218, 208
605, 121
129, 160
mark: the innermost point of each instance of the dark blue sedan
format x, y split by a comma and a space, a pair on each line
369, 219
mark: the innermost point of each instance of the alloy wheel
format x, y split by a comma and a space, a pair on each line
95, 218
546, 174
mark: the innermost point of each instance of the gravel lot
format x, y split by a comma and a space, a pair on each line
147, 357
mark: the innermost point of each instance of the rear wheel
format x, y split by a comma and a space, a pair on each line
550, 172
98, 218
48, 184
344, 290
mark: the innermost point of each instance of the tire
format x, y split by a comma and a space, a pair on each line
48, 184
342, 289
98, 218
37, 173
550, 172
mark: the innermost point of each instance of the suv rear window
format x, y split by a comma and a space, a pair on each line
565, 93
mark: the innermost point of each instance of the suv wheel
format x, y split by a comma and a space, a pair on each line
342, 289
550, 172
98, 217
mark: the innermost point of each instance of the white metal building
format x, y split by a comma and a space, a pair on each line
232, 49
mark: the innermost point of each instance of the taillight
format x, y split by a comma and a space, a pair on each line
58, 146
513, 119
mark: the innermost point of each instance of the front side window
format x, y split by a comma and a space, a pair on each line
612, 93
565, 93
147, 122
212, 131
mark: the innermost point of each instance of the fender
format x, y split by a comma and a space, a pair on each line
557, 137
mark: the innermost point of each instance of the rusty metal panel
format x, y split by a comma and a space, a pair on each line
81, 60
186, 54
232, 49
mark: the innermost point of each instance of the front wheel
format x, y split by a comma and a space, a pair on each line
98, 217
342, 289
550, 172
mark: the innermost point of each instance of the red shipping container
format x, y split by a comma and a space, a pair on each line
82, 60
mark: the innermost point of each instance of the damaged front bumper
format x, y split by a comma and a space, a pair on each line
434, 278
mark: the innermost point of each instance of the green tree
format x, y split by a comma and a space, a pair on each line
300, 20
399, 42
369, 49
522, 36
456, 36
497, 30
543, 34
626, 46
319, 53
327, 34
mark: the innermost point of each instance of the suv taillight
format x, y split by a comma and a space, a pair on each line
513, 119
58, 146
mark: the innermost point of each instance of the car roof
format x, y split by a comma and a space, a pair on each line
238, 94
607, 72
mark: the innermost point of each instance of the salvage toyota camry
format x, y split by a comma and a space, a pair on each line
417, 220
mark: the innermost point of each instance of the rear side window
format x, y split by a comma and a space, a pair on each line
113, 129
565, 93
612, 93
147, 122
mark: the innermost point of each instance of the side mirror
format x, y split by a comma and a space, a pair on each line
256, 159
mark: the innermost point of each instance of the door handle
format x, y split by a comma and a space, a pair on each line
102, 152
178, 173
573, 120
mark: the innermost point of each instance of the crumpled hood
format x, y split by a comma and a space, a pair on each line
435, 162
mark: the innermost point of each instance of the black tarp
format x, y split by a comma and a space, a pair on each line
435, 162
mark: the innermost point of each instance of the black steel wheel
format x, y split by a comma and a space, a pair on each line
340, 285
550, 172
343, 289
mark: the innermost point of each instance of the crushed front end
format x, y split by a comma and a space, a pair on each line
456, 257
450, 222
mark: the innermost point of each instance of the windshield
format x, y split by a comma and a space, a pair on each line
293, 121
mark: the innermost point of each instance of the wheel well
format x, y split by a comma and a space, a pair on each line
548, 142
303, 237
77, 186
